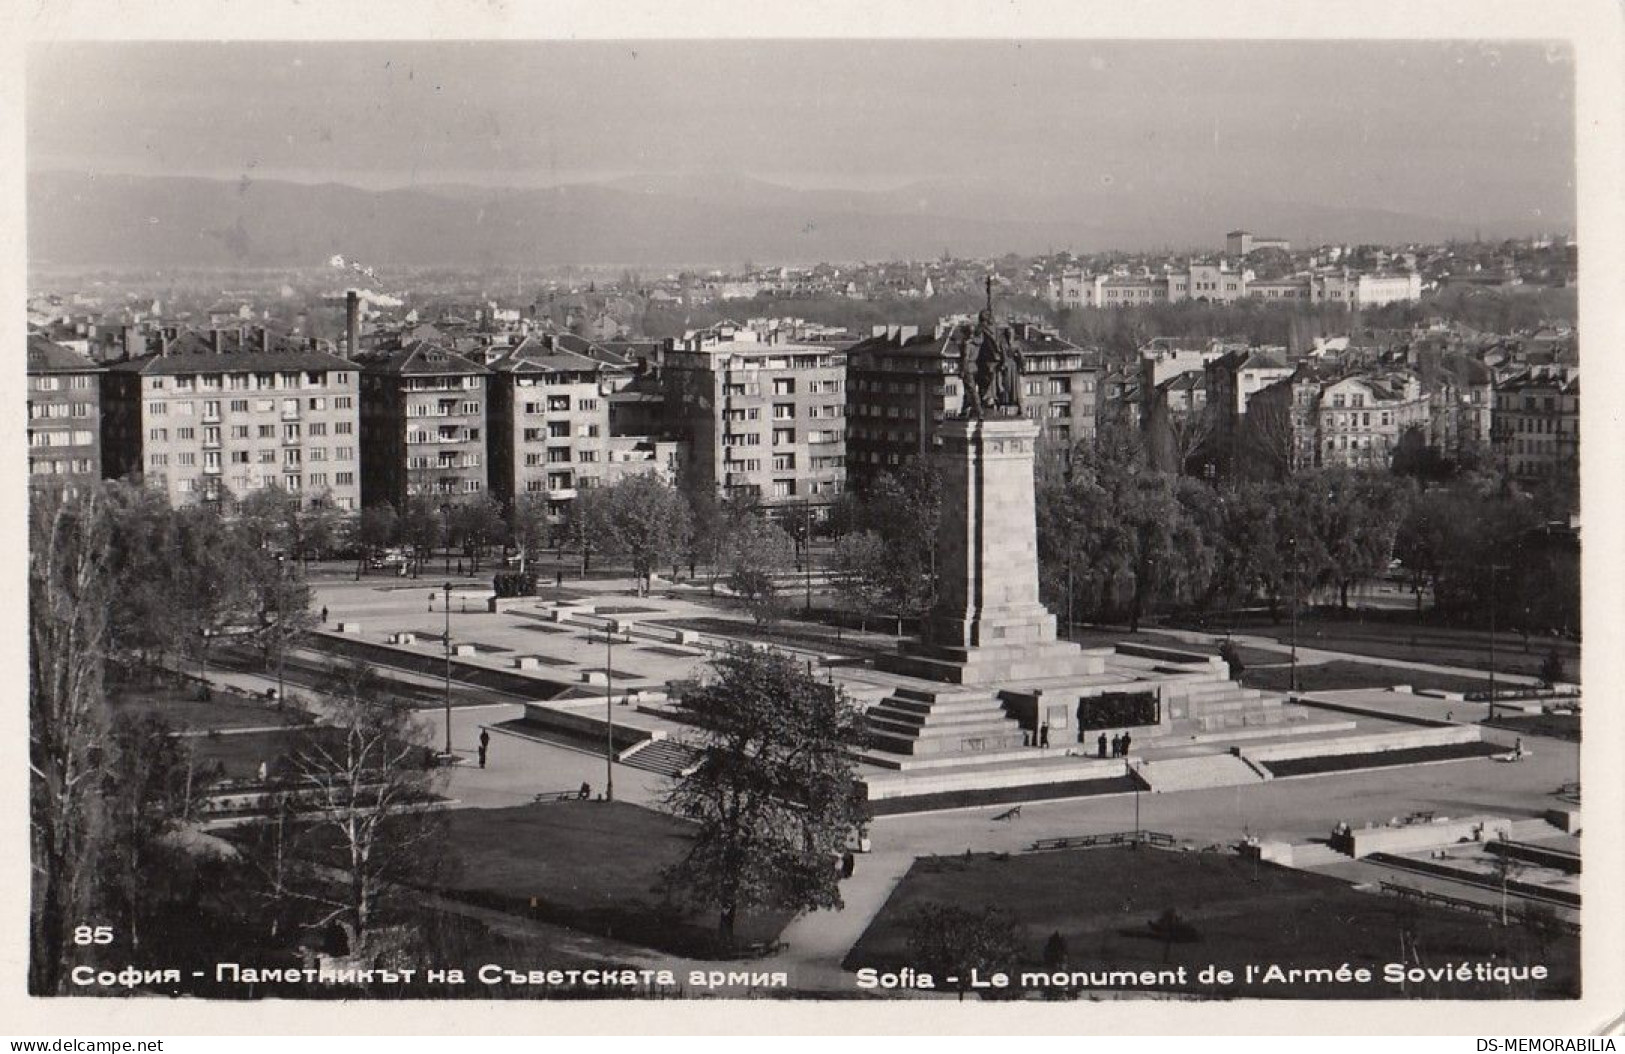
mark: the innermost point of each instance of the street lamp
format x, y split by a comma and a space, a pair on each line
609, 712
1292, 680
446, 639
281, 628
1493, 569
806, 534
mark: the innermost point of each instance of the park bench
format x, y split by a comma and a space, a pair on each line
572, 794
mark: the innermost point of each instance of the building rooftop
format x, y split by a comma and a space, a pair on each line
46, 356
421, 358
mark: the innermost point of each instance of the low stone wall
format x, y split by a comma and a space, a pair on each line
1161, 654
1420, 837
1319, 701
578, 725
1370, 744
512, 682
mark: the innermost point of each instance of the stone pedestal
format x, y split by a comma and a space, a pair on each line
988, 626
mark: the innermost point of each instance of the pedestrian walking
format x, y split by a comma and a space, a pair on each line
1127, 739
849, 864
324, 613
1043, 736
1100, 745
485, 744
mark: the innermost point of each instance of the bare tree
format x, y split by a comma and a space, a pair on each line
68, 623
364, 792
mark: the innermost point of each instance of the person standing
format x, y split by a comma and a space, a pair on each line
1043, 736
1127, 739
1100, 744
485, 744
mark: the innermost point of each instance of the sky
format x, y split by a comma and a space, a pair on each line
1452, 130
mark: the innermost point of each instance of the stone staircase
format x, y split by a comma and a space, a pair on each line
1223, 705
1317, 854
1195, 773
668, 757
950, 721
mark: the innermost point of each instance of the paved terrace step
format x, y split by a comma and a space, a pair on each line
1197, 773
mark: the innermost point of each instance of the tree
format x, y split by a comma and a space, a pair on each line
642, 519
860, 562
947, 940
423, 528
373, 531
477, 524
68, 604
775, 794
143, 799
1551, 668
758, 550
528, 526
361, 780
283, 608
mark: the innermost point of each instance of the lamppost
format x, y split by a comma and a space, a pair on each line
446, 639
609, 712
445, 538
1493, 569
281, 629
1292, 679
806, 534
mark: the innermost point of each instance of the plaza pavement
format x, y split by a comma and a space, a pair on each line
1294, 810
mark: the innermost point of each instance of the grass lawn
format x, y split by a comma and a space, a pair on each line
1335, 676
590, 865
1396, 636
1380, 758
1101, 900
185, 712
1097, 638
241, 753
1557, 726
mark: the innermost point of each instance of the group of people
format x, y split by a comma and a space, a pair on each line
1119, 743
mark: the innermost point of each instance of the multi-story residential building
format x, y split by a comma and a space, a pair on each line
208, 418
1536, 431
902, 383
764, 421
1354, 421
1241, 243
1461, 406
635, 455
1232, 380
64, 417
549, 420
423, 423
1361, 418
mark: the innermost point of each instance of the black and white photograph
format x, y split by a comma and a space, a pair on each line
918, 520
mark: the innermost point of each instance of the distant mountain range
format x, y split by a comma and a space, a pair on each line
646, 221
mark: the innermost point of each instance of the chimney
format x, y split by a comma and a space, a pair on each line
878, 330
132, 341
265, 339
218, 339
352, 323
907, 333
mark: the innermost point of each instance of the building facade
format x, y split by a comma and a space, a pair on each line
423, 422
211, 419
763, 421
549, 420
64, 417
1536, 430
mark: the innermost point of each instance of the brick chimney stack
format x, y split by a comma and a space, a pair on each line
352, 323
218, 339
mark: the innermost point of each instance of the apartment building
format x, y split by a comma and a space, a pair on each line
64, 417
549, 419
902, 383
423, 423
1353, 421
763, 420
1536, 429
208, 418
1241, 243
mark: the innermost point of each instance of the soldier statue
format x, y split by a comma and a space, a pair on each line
989, 367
